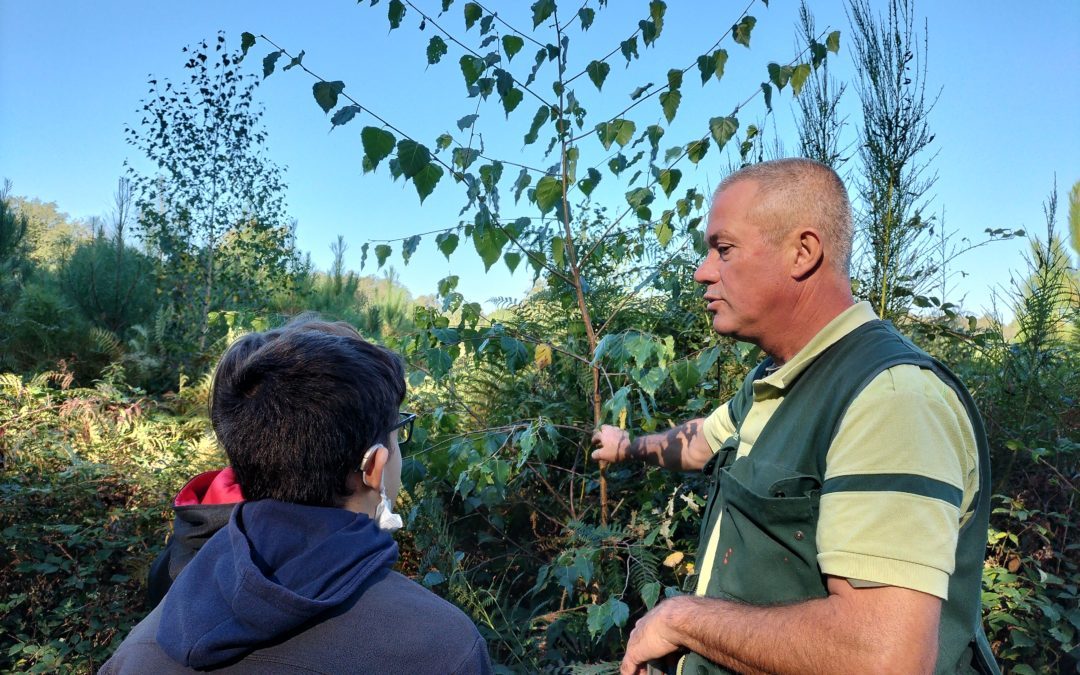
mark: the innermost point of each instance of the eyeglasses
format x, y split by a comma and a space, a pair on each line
404, 427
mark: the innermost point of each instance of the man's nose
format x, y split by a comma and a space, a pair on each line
703, 274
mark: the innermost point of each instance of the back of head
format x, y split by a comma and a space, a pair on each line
295, 408
796, 192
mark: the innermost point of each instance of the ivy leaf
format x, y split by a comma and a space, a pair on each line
798, 77
408, 247
472, 68
542, 9
436, 49
723, 128
669, 180
833, 42
548, 193
586, 14
447, 243
512, 44
268, 63
466, 122
247, 41
669, 101
344, 115
382, 252
618, 130
598, 72
767, 89
395, 12
541, 116
426, 179
472, 14
326, 94
695, 150
377, 146
741, 31
587, 185
412, 157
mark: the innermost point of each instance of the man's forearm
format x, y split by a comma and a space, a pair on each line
682, 448
833, 634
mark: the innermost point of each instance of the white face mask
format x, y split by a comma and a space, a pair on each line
385, 518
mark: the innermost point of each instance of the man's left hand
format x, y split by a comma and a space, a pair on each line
649, 639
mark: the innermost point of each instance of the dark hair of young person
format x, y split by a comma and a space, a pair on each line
295, 409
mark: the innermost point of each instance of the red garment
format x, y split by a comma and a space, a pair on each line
210, 487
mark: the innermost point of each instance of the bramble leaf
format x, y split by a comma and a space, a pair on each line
326, 94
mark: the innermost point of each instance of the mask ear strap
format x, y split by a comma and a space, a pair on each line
368, 458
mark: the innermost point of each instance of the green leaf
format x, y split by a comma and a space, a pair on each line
695, 150
558, 251
543, 113
464, 157
542, 9
512, 44
294, 61
512, 260
268, 63
649, 32
247, 41
657, 8
586, 14
685, 375
706, 64
473, 12
382, 252
650, 592
766, 88
639, 198
798, 77
511, 99
720, 57
489, 243
598, 72
472, 68
447, 243
395, 12
674, 78
344, 115
377, 145
439, 362
443, 142
618, 130
523, 181
723, 128
663, 230
516, 353
548, 193
436, 49
669, 180
408, 247
741, 31
587, 185
779, 75
669, 101
629, 48
426, 179
832, 43
326, 94
818, 52
412, 157
636, 94
466, 122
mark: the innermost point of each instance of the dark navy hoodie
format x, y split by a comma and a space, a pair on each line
291, 588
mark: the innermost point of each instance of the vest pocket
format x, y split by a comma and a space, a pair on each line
767, 549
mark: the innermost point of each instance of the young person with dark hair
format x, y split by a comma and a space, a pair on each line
299, 580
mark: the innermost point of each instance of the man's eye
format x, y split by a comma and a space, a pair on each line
723, 251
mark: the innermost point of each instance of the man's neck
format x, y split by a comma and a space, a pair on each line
810, 314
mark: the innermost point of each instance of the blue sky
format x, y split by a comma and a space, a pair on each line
72, 75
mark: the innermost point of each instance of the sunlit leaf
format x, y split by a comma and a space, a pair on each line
798, 77
619, 131
832, 42
669, 180
740, 32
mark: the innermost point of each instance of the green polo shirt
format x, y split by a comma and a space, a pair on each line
906, 421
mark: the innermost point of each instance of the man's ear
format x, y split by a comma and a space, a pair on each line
809, 253
372, 467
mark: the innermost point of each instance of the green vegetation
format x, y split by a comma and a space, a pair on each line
108, 341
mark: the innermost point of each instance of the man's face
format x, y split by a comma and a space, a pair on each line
392, 470
743, 275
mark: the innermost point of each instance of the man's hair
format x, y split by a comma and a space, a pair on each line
798, 191
295, 409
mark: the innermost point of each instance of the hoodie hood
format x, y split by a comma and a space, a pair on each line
274, 567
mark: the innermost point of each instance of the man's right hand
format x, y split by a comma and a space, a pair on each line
612, 444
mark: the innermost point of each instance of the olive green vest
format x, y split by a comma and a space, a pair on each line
767, 550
